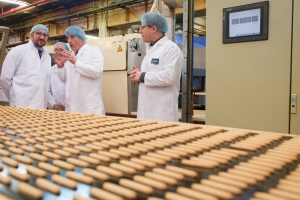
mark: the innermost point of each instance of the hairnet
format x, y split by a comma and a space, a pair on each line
77, 31
39, 27
155, 19
6, 51
64, 44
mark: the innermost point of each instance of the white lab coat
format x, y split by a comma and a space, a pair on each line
158, 95
2, 95
84, 81
57, 89
25, 77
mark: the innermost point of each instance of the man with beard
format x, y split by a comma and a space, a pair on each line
25, 71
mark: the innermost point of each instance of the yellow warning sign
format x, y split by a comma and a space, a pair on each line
119, 49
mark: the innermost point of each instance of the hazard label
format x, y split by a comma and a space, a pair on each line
119, 49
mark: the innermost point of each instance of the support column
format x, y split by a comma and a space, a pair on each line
102, 24
188, 52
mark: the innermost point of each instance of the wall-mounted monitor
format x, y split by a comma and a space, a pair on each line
246, 23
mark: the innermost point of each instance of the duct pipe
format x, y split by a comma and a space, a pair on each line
173, 3
14, 10
169, 14
154, 6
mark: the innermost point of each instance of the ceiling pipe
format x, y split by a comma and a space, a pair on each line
14, 10
154, 6
84, 14
173, 3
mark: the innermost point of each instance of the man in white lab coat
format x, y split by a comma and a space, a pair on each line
25, 71
57, 89
82, 72
159, 76
2, 95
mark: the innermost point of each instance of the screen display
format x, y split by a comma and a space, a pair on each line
245, 23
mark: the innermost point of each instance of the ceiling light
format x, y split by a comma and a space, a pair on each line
21, 3
92, 37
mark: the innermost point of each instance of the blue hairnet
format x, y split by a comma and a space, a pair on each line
6, 51
155, 19
64, 44
39, 27
77, 31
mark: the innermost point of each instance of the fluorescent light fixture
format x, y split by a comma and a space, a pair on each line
92, 37
21, 3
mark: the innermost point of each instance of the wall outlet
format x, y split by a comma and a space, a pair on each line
293, 103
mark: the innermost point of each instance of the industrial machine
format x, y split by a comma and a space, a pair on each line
198, 90
135, 56
199, 71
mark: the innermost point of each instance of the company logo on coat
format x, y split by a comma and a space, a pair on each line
155, 61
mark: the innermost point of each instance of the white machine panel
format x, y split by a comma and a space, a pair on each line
114, 54
115, 92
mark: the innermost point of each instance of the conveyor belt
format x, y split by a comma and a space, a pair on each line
60, 155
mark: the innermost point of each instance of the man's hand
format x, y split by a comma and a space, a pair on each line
59, 106
67, 55
59, 59
135, 74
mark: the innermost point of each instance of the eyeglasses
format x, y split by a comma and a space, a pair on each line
42, 34
58, 50
144, 26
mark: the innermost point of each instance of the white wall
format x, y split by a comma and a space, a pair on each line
248, 84
295, 118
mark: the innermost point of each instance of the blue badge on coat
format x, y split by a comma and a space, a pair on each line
155, 61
